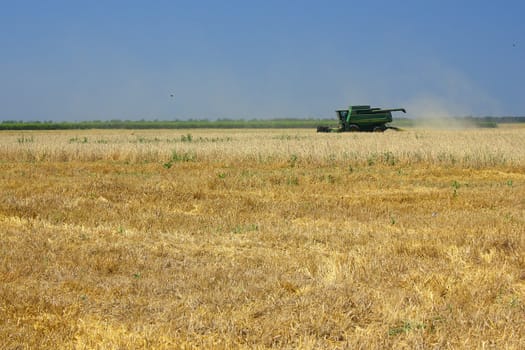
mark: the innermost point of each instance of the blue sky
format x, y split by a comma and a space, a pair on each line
90, 60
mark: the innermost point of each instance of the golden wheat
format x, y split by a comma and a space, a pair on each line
262, 239
471, 148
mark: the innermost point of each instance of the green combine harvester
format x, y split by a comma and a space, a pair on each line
362, 118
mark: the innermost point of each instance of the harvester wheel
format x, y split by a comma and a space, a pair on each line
353, 128
379, 129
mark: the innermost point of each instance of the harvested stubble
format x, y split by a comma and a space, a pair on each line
260, 239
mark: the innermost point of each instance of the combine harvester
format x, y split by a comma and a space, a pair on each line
363, 118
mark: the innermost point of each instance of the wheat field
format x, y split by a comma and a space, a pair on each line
170, 239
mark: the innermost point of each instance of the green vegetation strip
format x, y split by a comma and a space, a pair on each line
490, 122
177, 124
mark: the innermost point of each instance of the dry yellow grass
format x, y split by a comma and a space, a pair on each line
262, 239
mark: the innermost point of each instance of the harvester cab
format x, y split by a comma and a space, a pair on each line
342, 114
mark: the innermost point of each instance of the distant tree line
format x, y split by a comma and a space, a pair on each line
499, 120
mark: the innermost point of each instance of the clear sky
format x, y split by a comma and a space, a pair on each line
96, 60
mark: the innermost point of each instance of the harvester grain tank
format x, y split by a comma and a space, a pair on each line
362, 118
